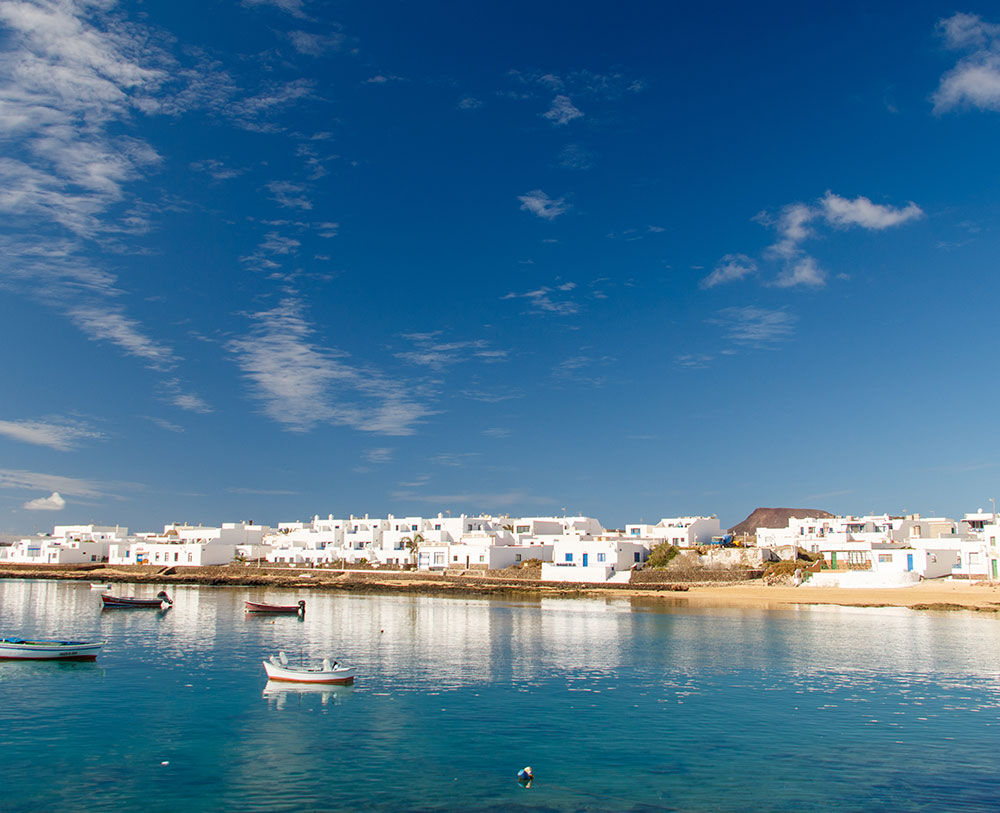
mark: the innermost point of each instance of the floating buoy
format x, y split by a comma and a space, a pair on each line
526, 774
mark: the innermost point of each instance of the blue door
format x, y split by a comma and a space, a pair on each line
585, 560
909, 562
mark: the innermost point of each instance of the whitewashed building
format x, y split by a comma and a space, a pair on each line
597, 559
685, 532
190, 545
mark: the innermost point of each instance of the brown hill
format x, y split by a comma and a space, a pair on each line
773, 518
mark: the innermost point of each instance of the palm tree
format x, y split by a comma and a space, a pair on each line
413, 545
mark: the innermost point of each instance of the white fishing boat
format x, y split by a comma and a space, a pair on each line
102, 587
278, 668
19, 649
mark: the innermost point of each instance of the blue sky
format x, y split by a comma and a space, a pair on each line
286, 257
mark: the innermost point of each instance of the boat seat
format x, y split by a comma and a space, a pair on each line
283, 658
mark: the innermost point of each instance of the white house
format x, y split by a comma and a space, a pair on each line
189, 545
685, 532
598, 559
52, 551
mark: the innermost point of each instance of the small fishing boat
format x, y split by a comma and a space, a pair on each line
278, 669
18, 649
161, 601
291, 609
102, 587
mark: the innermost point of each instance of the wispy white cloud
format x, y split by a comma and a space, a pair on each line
70, 75
562, 111
694, 361
574, 156
378, 455
384, 79
550, 300
862, 212
730, 268
802, 270
315, 161
293, 7
538, 203
290, 195
302, 384
163, 423
430, 351
585, 83
635, 233
54, 502
799, 222
176, 393
490, 395
216, 169
61, 434
469, 103
253, 112
755, 327
579, 369
316, 44
261, 491
22, 480
455, 460
107, 322
975, 79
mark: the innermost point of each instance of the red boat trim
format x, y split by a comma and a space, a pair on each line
53, 658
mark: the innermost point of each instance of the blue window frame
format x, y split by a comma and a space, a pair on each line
569, 557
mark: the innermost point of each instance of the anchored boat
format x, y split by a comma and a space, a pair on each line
290, 609
161, 601
18, 649
279, 669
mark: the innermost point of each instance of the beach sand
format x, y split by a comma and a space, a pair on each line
927, 595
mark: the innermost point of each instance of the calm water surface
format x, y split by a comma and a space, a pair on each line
616, 704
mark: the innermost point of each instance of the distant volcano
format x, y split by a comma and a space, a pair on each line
774, 518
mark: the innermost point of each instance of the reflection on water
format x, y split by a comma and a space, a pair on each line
616, 703
280, 693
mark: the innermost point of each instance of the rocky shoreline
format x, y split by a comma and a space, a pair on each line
937, 596
354, 581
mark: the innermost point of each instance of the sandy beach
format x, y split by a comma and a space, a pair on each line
927, 595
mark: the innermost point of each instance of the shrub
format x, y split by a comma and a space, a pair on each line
662, 555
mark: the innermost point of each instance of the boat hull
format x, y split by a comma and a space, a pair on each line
20, 650
284, 609
126, 603
287, 674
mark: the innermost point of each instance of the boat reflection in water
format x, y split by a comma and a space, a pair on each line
279, 693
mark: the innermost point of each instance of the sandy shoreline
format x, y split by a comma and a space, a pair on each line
927, 595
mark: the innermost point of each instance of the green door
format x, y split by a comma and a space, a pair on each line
994, 570
833, 560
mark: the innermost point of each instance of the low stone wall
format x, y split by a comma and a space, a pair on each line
693, 574
371, 581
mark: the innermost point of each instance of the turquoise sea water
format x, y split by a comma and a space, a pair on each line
616, 704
